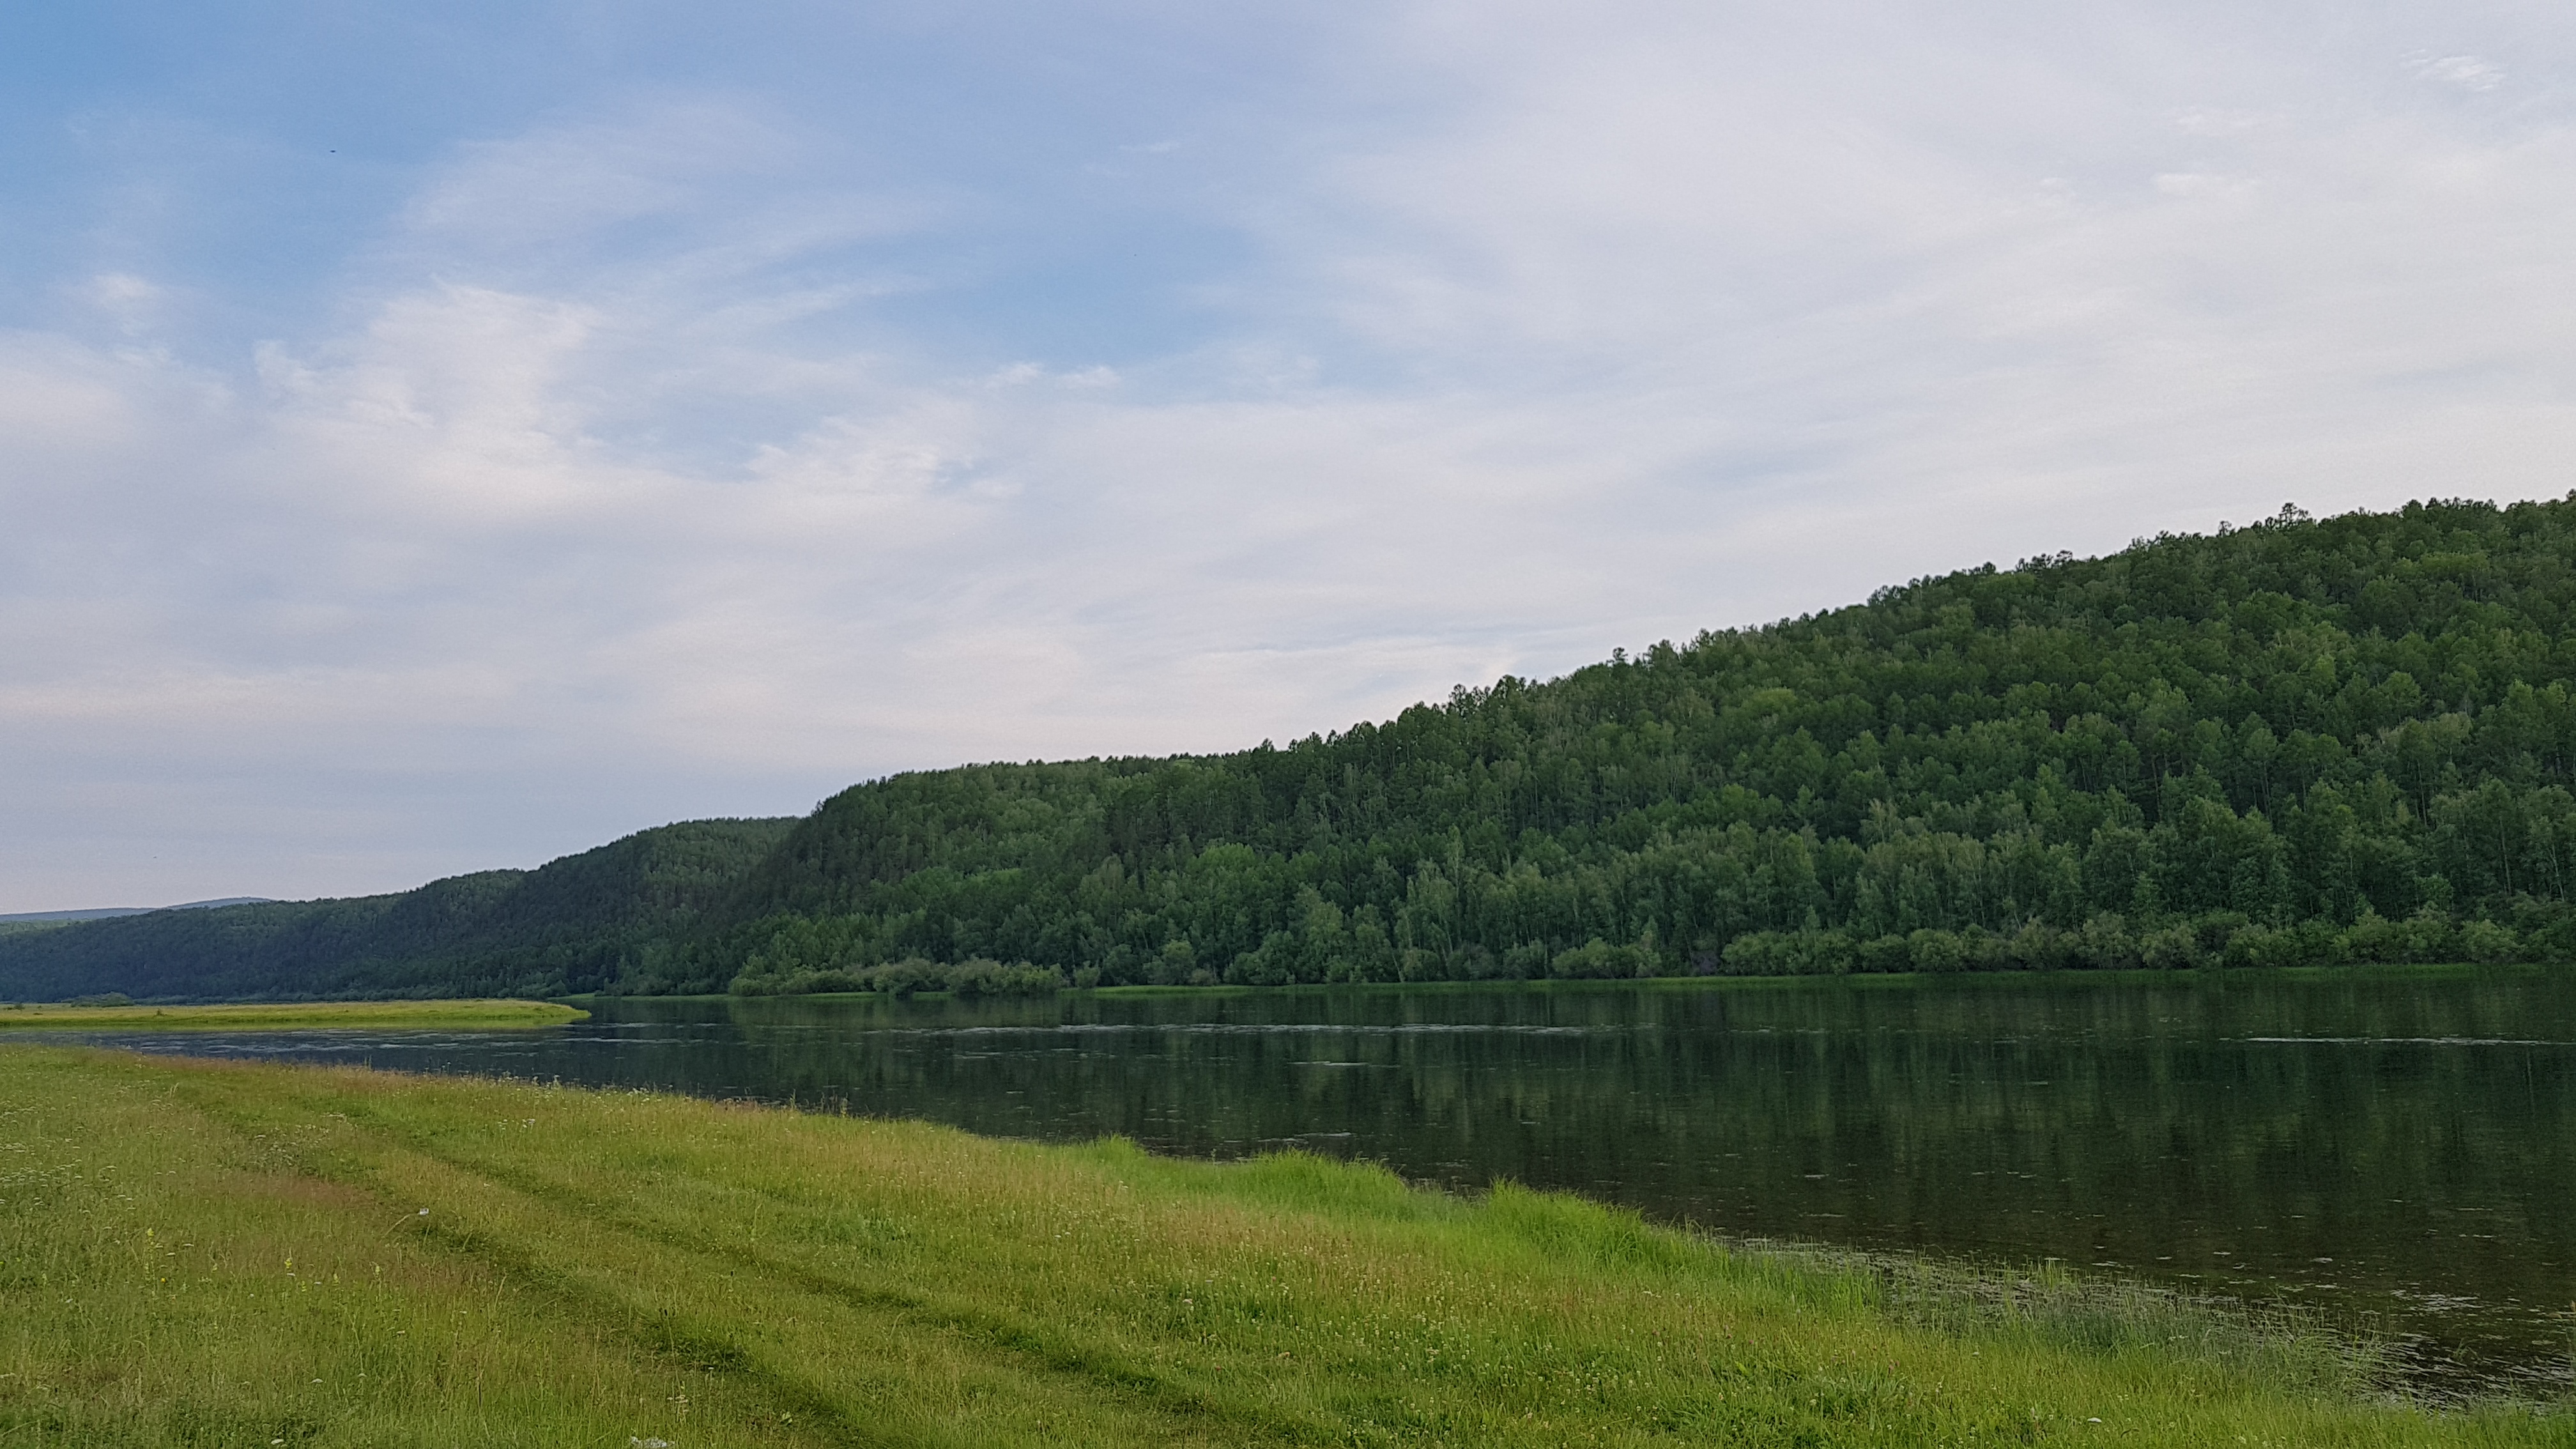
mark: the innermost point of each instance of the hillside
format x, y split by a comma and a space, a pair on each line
101, 913
2306, 740
2300, 741
572, 925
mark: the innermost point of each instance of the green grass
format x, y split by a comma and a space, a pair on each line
204, 1253
482, 1015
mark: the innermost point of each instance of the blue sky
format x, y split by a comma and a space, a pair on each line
442, 437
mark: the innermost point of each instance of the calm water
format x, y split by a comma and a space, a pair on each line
2400, 1145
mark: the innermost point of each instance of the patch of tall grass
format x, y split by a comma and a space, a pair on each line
2287, 1345
203, 1253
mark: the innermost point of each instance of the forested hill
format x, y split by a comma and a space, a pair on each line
2305, 740
2300, 741
573, 925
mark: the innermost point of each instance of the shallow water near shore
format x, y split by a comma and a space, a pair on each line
2396, 1147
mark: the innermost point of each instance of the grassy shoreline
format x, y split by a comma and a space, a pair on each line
210, 1253
483, 1015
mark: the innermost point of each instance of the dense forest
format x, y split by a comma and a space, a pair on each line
2302, 741
576, 924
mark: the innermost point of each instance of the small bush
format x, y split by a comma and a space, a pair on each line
1936, 951
2176, 948
2490, 943
1791, 953
1597, 960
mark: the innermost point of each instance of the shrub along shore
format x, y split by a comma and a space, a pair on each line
218, 1253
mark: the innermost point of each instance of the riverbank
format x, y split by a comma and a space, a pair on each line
216, 1253
478, 1015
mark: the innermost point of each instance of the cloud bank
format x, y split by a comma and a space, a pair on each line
711, 432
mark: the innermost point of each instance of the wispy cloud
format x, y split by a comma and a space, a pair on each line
2464, 71
673, 452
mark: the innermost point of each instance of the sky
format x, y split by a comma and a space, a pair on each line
435, 438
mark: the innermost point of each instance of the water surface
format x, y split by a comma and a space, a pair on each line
2398, 1144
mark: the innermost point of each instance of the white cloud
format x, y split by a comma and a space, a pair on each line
2198, 183
2464, 71
2199, 121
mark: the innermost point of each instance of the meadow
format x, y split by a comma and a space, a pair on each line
205, 1253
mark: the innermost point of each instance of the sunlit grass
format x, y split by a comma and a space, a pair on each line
220, 1253
481, 1015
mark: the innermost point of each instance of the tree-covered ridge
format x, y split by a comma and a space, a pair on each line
2301, 740
2305, 740
575, 924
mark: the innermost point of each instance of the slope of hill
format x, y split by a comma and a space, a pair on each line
572, 925
2305, 740
2300, 741
101, 913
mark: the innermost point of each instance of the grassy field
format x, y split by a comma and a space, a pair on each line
202, 1253
480, 1015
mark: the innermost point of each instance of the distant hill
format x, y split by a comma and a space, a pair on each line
573, 925
2300, 741
102, 913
